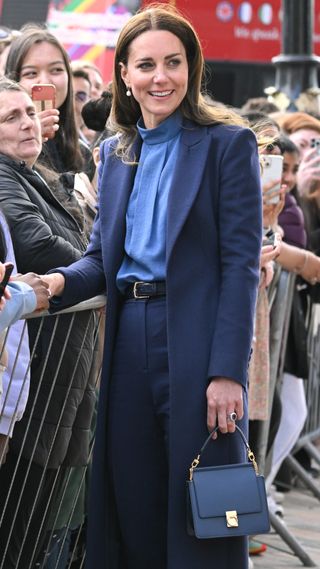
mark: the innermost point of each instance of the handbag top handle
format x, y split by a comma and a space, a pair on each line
250, 454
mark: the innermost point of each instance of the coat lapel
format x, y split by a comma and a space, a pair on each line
116, 185
186, 180
118, 180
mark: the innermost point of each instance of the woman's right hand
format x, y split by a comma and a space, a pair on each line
49, 120
270, 252
271, 210
56, 283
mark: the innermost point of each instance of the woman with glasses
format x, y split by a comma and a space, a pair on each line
82, 93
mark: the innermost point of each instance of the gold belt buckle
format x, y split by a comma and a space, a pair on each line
135, 293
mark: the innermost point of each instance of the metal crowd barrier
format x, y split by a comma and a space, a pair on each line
280, 295
55, 547
54, 544
311, 430
280, 301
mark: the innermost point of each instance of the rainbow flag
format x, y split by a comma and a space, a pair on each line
89, 29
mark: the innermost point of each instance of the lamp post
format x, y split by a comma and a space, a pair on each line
296, 83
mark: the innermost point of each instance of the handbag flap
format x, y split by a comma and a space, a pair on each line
230, 487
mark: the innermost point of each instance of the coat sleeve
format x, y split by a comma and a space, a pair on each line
35, 245
240, 236
23, 301
84, 278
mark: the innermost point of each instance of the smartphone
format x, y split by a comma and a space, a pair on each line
269, 239
43, 96
315, 143
5, 280
271, 171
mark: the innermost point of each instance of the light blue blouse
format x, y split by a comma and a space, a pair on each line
146, 219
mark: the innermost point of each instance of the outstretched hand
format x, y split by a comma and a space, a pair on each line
40, 287
55, 282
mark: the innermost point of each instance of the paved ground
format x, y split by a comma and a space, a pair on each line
302, 518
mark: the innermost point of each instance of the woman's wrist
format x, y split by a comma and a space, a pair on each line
56, 282
304, 261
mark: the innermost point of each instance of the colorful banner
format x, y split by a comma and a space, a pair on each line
89, 29
233, 31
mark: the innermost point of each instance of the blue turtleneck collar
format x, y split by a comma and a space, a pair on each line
166, 130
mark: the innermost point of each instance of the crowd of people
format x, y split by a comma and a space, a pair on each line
147, 190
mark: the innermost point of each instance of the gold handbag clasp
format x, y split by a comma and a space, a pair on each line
232, 519
194, 465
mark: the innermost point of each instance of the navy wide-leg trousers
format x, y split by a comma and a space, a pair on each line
138, 433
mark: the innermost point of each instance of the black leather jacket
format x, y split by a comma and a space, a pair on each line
45, 235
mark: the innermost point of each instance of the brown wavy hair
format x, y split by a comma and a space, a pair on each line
126, 111
292, 122
67, 138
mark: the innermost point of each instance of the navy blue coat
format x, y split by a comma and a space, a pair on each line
213, 244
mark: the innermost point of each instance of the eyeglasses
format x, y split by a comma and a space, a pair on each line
81, 96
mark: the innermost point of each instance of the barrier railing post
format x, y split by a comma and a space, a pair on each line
281, 294
280, 297
42, 531
311, 430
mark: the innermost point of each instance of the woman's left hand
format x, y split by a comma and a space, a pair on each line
271, 211
224, 396
49, 120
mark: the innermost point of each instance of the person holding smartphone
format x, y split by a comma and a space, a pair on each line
37, 57
304, 131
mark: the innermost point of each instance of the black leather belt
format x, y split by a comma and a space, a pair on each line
140, 290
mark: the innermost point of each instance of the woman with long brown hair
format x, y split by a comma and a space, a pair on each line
36, 56
177, 240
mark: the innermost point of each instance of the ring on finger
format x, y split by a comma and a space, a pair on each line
232, 416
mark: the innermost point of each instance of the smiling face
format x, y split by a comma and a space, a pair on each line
44, 63
157, 74
291, 161
20, 135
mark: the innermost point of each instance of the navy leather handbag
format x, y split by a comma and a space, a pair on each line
228, 500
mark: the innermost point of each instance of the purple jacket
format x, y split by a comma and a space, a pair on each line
291, 220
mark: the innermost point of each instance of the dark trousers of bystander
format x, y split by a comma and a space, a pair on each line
22, 511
